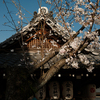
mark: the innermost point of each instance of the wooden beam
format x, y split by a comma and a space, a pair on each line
32, 36
41, 31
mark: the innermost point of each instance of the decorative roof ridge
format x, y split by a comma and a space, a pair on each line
35, 20
42, 13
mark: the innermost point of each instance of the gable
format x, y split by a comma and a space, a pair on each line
38, 33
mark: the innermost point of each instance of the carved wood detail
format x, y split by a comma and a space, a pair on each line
36, 43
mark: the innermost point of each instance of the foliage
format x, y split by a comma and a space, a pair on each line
86, 13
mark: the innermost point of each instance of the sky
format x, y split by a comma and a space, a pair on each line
7, 29
29, 5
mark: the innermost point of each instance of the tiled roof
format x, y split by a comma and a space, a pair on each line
17, 59
50, 21
9, 59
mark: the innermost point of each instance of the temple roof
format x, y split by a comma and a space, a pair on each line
17, 59
32, 26
35, 57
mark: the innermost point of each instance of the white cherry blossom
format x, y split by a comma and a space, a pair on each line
75, 64
62, 51
89, 69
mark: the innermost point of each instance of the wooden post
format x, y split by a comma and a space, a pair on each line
35, 42
29, 45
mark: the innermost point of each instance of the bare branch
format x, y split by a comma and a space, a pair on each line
9, 13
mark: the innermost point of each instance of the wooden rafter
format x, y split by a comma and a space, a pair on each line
38, 32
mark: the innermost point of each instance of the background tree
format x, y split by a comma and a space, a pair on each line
84, 41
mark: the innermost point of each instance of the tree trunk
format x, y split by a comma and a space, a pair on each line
52, 54
47, 58
50, 73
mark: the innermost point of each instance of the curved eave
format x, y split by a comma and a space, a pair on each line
49, 21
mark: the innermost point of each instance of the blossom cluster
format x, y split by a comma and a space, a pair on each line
86, 62
72, 62
92, 35
87, 14
76, 43
90, 68
83, 59
48, 1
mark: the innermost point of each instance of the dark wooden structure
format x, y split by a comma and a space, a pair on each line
28, 48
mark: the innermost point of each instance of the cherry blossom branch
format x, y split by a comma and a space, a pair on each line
92, 4
65, 24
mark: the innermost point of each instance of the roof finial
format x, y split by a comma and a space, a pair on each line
43, 10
